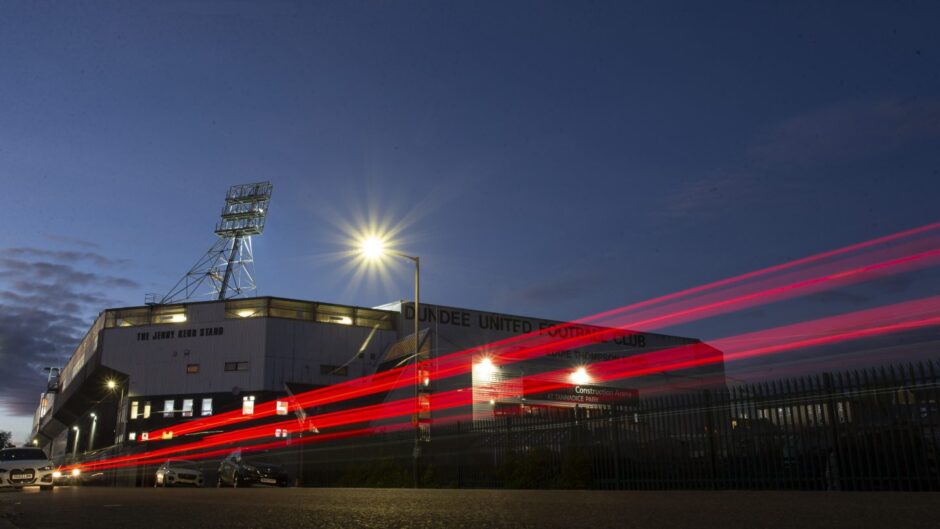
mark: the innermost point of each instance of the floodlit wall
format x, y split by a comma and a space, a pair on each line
243, 345
453, 329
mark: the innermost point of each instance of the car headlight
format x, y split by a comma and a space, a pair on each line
76, 472
47, 467
56, 474
250, 468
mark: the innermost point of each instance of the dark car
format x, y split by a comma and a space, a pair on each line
236, 471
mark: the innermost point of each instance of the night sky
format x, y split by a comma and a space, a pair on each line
552, 159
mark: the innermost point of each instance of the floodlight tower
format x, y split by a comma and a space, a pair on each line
229, 263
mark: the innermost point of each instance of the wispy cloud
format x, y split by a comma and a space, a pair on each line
848, 131
843, 132
48, 299
72, 241
66, 256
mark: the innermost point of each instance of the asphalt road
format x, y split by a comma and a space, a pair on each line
81, 507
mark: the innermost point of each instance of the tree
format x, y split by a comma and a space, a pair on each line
6, 439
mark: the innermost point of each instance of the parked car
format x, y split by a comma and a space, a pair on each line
178, 472
236, 471
23, 467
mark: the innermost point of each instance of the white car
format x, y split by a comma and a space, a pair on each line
178, 472
24, 467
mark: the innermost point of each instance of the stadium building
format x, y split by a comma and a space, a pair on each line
145, 369
141, 374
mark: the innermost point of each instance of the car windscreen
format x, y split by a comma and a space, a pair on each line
22, 454
261, 464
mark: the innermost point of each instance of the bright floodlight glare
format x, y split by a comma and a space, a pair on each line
485, 368
373, 247
580, 376
112, 384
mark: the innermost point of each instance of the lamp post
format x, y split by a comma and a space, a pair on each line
374, 248
91, 434
120, 423
75, 446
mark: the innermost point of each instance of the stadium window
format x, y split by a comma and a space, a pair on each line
236, 366
134, 410
132, 436
206, 407
146, 410
248, 405
340, 371
192, 369
168, 408
187, 407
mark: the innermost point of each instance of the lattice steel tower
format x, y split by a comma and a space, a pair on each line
229, 264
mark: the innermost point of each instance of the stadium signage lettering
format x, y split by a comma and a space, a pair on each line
502, 323
594, 395
180, 333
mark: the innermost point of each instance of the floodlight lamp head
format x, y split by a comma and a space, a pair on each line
245, 210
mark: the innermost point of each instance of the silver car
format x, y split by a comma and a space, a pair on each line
178, 472
24, 467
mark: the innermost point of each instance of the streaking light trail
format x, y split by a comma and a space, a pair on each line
613, 324
852, 326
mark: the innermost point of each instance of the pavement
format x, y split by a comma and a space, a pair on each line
93, 507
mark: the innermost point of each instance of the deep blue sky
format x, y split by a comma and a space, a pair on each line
547, 158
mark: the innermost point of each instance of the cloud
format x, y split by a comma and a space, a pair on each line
847, 131
66, 255
48, 299
73, 241
710, 196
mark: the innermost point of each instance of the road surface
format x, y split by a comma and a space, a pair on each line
89, 507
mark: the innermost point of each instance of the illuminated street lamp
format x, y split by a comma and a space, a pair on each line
373, 248
91, 434
75, 446
111, 383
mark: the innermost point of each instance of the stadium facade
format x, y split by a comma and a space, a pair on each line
147, 368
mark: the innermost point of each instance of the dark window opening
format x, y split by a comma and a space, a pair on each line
236, 366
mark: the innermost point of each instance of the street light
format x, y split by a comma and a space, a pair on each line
91, 435
373, 248
75, 446
111, 383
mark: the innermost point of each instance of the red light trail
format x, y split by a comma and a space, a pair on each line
852, 326
545, 341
